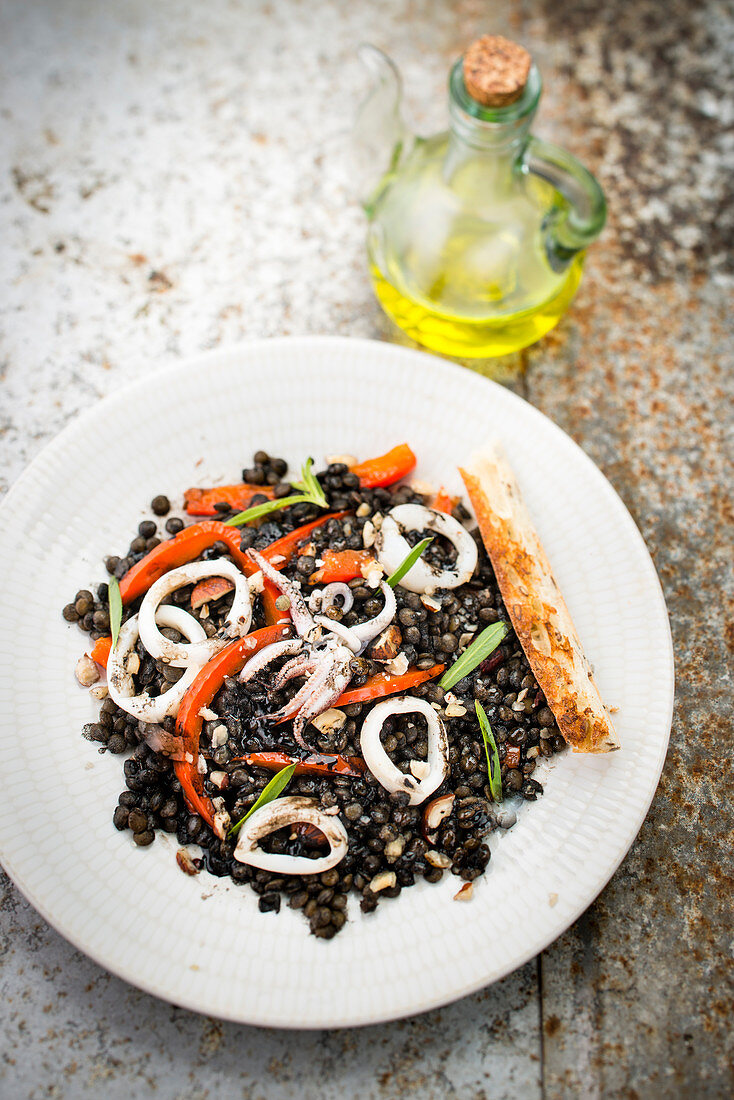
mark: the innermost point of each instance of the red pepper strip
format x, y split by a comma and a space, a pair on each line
442, 502
101, 650
286, 547
340, 565
201, 502
180, 550
380, 685
311, 765
227, 662
375, 473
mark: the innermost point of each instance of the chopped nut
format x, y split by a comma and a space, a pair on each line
219, 779
220, 736
421, 769
348, 460
383, 881
329, 720
398, 666
430, 603
208, 715
368, 535
465, 639
465, 893
421, 487
201, 765
373, 576
455, 710
363, 510
256, 581
132, 664
512, 756
86, 671
186, 863
387, 645
222, 823
99, 691
437, 859
394, 849
436, 810
377, 520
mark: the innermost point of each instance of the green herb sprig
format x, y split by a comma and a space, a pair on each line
493, 761
276, 786
114, 600
310, 492
408, 562
484, 644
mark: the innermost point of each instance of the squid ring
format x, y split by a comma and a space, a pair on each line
180, 654
393, 548
289, 811
380, 764
119, 679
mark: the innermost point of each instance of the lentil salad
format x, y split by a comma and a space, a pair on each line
248, 729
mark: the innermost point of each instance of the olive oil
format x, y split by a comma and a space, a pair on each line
474, 337
477, 235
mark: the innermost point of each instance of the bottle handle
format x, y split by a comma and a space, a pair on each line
578, 218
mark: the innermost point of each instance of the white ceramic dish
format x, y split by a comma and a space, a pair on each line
202, 942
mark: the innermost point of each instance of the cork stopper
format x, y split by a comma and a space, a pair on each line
496, 70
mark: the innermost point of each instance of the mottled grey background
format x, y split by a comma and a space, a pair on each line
174, 178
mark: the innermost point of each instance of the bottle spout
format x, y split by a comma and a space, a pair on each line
380, 139
578, 219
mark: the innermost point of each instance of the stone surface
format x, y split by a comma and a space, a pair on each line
176, 179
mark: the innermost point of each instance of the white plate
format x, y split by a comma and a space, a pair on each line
201, 942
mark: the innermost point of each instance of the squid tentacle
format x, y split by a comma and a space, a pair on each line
301, 616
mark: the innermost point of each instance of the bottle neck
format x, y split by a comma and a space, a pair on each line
500, 132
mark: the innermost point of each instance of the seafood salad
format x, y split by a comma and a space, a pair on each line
316, 685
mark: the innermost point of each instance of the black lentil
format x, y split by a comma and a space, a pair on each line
385, 832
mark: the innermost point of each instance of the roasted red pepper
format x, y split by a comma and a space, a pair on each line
381, 684
192, 541
375, 473
227, 662
100, 651
340, 565
201, 502
311, 765
286, 547
180, 550
442, 502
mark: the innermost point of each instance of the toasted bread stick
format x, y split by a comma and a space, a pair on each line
536, 607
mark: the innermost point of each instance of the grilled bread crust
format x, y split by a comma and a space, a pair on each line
536, 607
